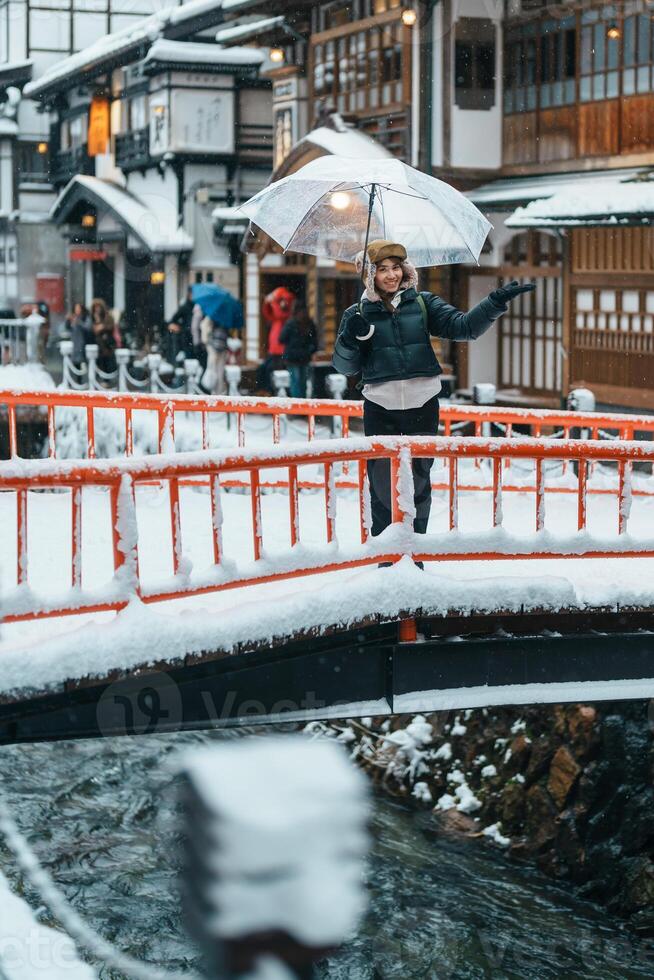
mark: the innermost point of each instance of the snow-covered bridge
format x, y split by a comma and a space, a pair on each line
215, 563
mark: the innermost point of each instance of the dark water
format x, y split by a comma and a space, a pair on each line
102, 817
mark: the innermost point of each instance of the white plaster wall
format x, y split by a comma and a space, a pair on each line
437, 87
476, 137
157, 191
6, 176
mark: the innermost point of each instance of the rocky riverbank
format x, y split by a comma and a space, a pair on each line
567, 787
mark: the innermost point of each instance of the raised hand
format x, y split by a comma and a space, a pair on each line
357, 328
505, 294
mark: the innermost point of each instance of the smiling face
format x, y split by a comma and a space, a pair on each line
388, 275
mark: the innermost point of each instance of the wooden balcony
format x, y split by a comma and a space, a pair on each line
67, 163
133, 150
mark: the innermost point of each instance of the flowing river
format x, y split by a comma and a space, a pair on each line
103, 818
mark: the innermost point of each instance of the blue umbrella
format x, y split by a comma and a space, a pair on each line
217, 303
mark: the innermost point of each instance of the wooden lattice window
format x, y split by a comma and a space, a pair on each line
638, 54
614, 319
600, 55
361, 70
557, 67
520, 63
529, 339
533, 248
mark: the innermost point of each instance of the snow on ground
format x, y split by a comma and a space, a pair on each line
31, 951
109, 424
46, 652
25, 377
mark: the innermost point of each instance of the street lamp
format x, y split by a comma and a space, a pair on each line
409, 17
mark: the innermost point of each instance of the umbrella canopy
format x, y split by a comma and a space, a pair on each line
323, 209
219, 304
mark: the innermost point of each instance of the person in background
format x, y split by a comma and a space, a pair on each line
117, 319
79, 324
300, 339
180, 338
199, 347
276, 310
102, 325
43, 310
214, 337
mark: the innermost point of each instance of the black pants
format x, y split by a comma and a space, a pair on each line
378, 421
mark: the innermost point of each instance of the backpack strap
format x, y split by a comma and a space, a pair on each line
423, 308
421, 304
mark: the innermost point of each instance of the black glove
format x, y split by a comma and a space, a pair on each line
357, 328
505, 294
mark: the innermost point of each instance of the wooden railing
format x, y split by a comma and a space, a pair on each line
476, 419
123, 477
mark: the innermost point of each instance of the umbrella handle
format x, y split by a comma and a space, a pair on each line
371, 203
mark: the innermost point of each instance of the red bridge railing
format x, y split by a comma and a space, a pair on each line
455, 419
477, 418
122, 477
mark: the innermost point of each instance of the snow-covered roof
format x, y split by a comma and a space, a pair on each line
19, 69
593, 202
347, 143
232, 220
152, 224
144, 32
191, 53
243, 31
8, 127
509, 191
233, 6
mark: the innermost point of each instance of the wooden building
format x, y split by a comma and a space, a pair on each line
513, 103
577, 131
345, 83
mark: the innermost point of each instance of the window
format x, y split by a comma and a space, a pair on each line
474, 63
33, 162
557, 62
138, 112
361, 70
637, 54
74, 131
520, 88
600, 56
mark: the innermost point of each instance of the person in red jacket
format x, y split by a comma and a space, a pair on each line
277, 307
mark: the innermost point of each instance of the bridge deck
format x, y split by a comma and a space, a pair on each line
60, 652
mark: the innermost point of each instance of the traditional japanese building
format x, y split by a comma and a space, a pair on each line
148, 128
345, 80
573, 207
512, 103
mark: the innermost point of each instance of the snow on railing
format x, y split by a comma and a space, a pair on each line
89, 377
478, 419
19, 339
117, 521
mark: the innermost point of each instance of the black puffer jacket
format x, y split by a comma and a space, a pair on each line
399, 346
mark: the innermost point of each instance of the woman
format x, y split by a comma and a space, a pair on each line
276, 310
299, 337
102, 325
386, 337
79, 324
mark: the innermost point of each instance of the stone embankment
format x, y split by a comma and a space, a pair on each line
567, 787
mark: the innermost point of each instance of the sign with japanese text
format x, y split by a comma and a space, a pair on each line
99, 129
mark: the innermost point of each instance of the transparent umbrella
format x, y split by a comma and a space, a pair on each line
334, 205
